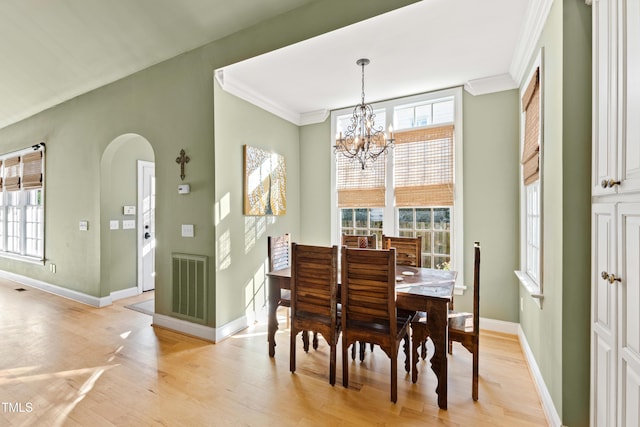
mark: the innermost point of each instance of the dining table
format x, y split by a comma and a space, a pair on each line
421, 289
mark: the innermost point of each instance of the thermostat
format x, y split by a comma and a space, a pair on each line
184, 189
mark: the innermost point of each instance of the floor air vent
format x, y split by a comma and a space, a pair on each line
189, 290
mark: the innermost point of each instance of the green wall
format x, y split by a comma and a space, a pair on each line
491, 202
558, 333
316, 155
171, 105
241, 241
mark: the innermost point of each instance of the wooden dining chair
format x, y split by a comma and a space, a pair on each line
363, 242
357, 241
408, 249
408, 252
279, 256
314, 295
369, 308
465, 327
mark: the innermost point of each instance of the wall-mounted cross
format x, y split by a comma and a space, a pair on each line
182, 159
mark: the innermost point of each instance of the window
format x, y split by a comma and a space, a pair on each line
530, 273
416, 188
22, 204
362, 221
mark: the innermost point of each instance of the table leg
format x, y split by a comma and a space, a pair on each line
437, 318
418, 335
272, 320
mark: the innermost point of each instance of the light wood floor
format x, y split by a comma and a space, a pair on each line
64, 363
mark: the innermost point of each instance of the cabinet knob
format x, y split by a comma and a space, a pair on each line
609, 183
611, 278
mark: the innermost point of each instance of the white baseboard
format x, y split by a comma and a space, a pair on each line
499, 326
200, 331
57, 290
125, 293
550, 412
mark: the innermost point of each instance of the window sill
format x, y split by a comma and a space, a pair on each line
532, 287
17, 257
459, 289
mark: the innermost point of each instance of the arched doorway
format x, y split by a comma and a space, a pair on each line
127, 204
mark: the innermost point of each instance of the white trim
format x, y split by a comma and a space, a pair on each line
18, 257
236, 88
491, 84
536, 16
550, 412
57, 290
200, 331
499, 326
141, 165
125, 293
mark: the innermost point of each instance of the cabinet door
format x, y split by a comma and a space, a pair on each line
605, 89
629, 314
604, 318
629, 151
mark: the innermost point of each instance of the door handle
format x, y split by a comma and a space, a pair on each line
147, 235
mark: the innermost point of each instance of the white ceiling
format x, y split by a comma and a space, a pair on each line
429, 45
54, 50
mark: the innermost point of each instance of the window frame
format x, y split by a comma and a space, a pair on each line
22, 206
527, 273
390, 211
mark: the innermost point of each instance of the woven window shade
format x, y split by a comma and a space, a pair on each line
423, 167
531, 150
12, 174
357, 187
32, 170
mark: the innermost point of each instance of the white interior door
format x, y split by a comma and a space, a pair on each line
146, 225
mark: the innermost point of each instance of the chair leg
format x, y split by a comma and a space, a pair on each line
315, 340
353, 350
305, 341
292, 351
345, 364
363, 347
332, 363
450, 347
407, 354
394, 376
423, 353
474, 390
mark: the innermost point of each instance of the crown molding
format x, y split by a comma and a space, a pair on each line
243, 92
536, 17
491, 84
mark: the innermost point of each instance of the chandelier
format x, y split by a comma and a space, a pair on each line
363, 141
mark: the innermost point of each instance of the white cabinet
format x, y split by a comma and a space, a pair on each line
628, 219
604, 316
615, 282
616, 97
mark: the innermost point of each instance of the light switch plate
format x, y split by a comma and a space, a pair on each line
187, 230
84, 225
114, 224
128, 224
129, 210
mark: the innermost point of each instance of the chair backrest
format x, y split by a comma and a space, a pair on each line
368, 288
476, 286
362, 242
408, 249
314, 283
279, 252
